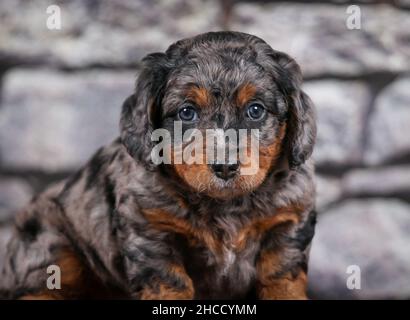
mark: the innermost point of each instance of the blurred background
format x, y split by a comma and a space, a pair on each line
61, 93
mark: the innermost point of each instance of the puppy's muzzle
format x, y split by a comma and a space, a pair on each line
225, 171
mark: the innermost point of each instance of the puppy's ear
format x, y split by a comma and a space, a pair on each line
302, 129
301, 134
141, 111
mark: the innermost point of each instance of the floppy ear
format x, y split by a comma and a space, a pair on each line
301, 134
302, 129
141, 110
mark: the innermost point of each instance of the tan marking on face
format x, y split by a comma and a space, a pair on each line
197, 176
200, 96
268, 157
200, 177
245, 94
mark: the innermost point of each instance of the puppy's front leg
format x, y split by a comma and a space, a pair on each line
173, 284
276, 283
155, 270
282, 261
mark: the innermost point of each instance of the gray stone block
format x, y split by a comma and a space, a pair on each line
317, 36
389, 129
341, 109
328, 192
54, 121
14, 194
372, 234
386, 181
103, 32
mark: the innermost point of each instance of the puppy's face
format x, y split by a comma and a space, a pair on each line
229, 82
223, 89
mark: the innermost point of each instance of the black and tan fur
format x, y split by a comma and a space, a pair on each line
122, 227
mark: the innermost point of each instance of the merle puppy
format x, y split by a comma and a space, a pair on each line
123, 227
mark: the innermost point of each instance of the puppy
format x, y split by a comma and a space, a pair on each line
125, 227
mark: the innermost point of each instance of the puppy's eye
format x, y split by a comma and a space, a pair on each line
255, 111
188, 113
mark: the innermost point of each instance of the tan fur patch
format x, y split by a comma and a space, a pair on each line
284, 288
197, 176
245, 94
200, 96
267, 158
200, 178
163, 291
77, 282
259, 226
165, 221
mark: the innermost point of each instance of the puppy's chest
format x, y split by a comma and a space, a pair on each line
223, 267
228, 275
219, 254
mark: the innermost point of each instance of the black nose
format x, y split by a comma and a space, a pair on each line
225, 171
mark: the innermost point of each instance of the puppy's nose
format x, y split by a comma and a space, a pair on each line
225, 171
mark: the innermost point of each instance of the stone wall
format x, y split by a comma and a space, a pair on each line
61, 92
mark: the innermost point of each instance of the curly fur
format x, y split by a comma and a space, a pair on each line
124, 227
